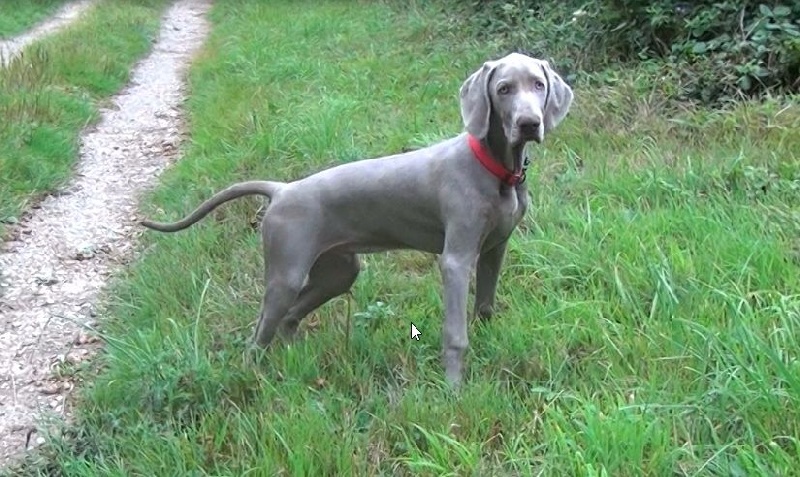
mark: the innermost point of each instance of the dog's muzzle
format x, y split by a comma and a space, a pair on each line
529, 129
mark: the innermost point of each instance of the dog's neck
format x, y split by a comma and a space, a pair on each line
511, 157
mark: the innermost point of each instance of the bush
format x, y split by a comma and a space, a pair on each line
715, 51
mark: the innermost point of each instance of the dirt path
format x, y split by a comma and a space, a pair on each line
67, 14
62, 254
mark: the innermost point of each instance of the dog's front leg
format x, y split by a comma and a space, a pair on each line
488, 274
455, 264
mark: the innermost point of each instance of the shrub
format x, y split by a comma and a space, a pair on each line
715, 50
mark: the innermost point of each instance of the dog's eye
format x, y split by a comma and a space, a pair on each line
539, 85
503, 89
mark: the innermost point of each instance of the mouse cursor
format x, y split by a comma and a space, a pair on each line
414, 332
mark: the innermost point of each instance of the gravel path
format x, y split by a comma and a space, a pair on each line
62, 18
62, 254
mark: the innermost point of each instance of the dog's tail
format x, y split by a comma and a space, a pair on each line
265, 188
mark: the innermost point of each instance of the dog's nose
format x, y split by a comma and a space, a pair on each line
529, 124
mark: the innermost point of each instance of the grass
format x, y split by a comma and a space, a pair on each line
651, 316
53, 90
16, 16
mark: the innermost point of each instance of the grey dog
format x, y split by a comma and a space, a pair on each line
460, 198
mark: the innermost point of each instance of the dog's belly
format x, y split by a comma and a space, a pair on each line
434, 247
393, 235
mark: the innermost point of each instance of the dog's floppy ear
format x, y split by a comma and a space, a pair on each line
476, 106
559, 98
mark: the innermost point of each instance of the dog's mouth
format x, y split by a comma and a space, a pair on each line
520, 137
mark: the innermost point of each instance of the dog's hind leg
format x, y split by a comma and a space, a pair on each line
288, 261
332, 275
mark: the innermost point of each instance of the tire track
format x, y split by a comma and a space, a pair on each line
64, 252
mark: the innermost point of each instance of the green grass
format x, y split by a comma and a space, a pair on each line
650, 321
53, 90
16, 16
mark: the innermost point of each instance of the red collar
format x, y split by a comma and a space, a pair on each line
483, 155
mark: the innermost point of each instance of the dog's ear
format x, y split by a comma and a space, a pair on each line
559, 98
476, 105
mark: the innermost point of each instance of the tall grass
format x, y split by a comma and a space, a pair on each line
650, 312
53, 90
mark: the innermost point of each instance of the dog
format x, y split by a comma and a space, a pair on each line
460, 198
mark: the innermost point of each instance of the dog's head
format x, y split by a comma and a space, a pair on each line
522, 94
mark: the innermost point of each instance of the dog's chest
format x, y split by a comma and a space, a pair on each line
510, 211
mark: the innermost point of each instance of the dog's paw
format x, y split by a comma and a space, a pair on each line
484, 312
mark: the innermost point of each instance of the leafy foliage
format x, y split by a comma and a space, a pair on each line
713, 50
